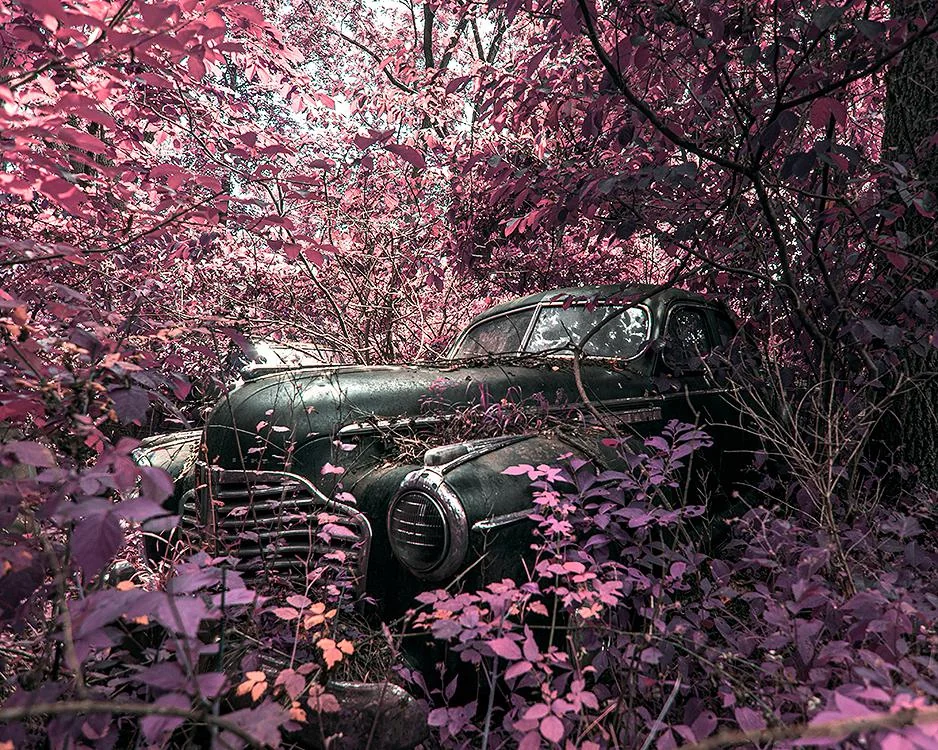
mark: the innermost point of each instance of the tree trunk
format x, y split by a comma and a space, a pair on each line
911, 123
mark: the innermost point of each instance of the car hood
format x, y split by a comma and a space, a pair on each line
272, 420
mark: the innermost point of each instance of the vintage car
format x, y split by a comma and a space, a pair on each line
397, 471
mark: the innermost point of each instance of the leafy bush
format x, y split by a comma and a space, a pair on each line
650, 641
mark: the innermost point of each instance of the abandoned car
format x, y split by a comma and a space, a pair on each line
398, 470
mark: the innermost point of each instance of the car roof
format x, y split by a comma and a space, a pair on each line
624, 292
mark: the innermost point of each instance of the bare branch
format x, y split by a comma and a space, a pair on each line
646, 110
374, 56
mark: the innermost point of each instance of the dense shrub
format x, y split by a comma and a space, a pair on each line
649, 641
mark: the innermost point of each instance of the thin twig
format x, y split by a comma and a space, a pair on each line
656, 727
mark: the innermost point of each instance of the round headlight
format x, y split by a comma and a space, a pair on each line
418, 531
427, 526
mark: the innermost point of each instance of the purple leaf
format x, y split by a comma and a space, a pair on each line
657, 442
155, 484
211, 684
139, 509
102, 607
190, 578
157, 728
130, 404
165, 675
438, 717
849, 708
677, 569
94, 542
704, 725
183, 614
263, 722
748, 719
28, 453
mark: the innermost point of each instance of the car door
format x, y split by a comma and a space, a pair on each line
694, 393
681, 367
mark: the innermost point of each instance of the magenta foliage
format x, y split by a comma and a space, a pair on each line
630, 635
138, 648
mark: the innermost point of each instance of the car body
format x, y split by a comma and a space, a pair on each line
397, 471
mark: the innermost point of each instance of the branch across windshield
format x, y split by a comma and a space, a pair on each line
607, 331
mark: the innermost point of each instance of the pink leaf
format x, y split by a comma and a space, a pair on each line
512, 226
248, 12
456, 83
552, 728
82, 140
154, 16
285, 613
823, 109
537, 711
196, 67
408, 154
517, 669
313, 255
506, 648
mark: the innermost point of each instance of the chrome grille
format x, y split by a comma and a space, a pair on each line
277, 523
189, 520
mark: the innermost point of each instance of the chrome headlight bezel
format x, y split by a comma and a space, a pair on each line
141, 457
431, 485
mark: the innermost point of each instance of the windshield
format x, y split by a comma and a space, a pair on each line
607, 331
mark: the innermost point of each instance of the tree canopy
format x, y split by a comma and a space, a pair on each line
181, 176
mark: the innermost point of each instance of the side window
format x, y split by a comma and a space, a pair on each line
497, 336
687, 338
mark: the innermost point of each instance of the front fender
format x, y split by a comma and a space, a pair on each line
487, 511
176, 453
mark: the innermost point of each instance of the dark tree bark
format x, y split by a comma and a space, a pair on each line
911, 124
